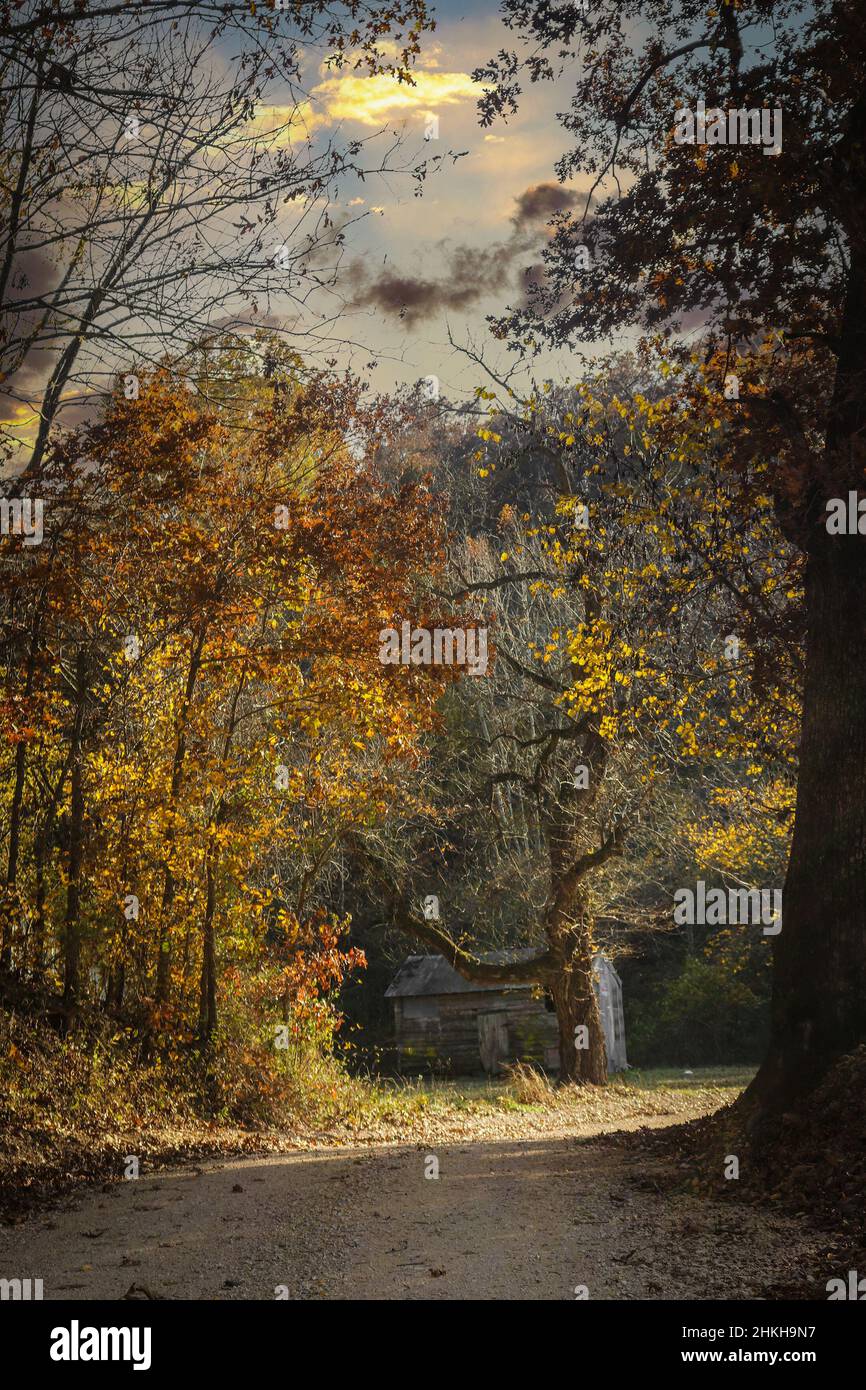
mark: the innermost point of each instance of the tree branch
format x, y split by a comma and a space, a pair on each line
471, 967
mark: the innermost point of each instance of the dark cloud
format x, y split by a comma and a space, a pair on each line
541, 201
473, 273
33, 273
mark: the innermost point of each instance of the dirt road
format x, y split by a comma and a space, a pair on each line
521, 1218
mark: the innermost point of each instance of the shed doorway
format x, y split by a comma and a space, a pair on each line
493, 1041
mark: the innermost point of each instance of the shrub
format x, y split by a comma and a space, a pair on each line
704, 1016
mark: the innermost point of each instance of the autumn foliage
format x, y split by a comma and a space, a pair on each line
196, 717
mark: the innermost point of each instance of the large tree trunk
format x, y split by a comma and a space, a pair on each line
569, 930
582, 1057
577, 1007
819, 986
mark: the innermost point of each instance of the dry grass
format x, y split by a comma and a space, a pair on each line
529, 1086
72, 1109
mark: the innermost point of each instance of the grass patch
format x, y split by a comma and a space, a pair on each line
675, 1078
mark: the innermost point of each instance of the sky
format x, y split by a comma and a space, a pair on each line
417, 276
416, 269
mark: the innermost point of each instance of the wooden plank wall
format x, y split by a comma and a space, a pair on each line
445, 1038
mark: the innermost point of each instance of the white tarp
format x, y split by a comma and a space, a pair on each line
608, 992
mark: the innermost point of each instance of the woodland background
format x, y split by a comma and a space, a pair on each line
220, 810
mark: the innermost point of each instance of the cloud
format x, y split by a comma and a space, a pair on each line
373, 101
369, 101
428, 57
541, 201
279, 125
472, 273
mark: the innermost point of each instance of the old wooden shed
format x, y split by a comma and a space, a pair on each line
445, 1023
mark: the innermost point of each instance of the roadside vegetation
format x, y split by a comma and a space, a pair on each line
75, 1110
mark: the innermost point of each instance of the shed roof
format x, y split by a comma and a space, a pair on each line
433, 975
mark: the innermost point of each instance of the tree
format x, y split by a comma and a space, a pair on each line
149, 193
209, 717
765, 252
611, 674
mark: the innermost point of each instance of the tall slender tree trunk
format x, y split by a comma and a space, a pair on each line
163, 944
37, 964
40, 854
72, 920
208, 984
10, 908
207, 1009
116, 983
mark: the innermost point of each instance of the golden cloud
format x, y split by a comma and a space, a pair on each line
374, 100
371, 101
288, 123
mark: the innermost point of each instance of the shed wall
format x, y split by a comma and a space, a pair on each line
445, 1038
